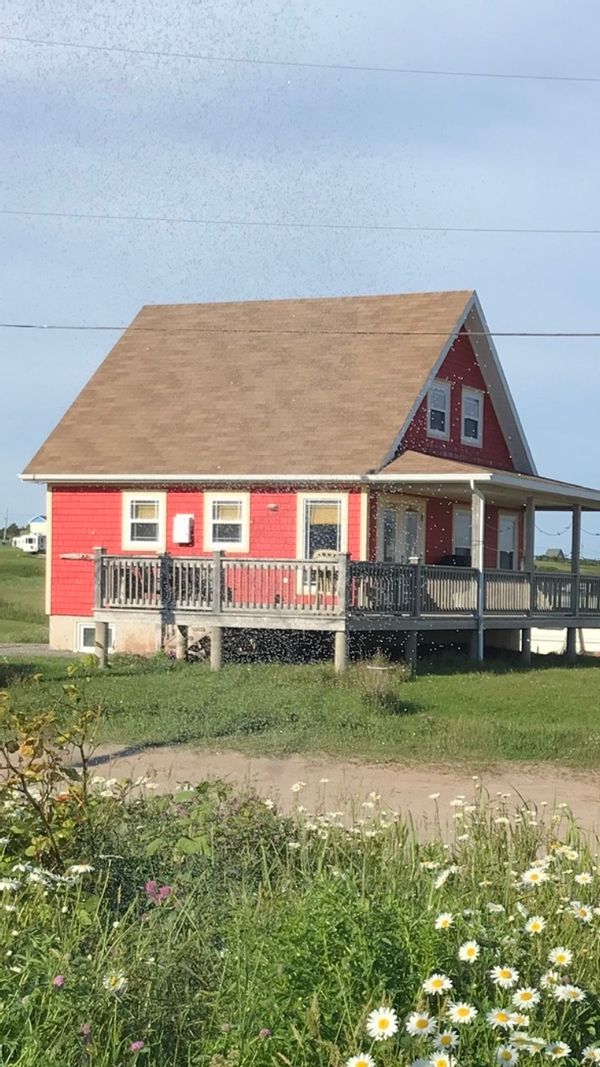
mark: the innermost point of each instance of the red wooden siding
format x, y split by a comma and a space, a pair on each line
439, 535
461, 368
83, 518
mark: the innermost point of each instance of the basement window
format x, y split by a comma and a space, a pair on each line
86, 637
438, 410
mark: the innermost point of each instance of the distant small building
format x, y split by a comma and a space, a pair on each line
37, 525
555, 554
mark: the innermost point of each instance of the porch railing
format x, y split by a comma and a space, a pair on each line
334, 587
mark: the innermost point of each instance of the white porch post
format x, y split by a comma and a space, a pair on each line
529, 567
576, 572
477, 559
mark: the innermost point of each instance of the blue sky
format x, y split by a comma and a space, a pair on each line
87, 131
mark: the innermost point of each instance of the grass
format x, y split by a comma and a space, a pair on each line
449, 714
22, 617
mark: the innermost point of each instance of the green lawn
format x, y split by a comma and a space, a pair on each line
448, 714
22, 616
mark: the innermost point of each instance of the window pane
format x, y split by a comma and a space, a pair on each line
144, 510
224, 532
437, 420
389, 536
227, 511
439, 399
472, 407
144, 531
471, 429
462, 531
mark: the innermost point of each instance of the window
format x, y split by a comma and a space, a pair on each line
462, 533
390, 520
86, 637
226, 521
507, 542
322, 524
144, 521
472, 417
438, 410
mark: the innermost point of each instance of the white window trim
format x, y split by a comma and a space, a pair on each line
446, 386
226, 546
339, 498
90, 625
514, 515
144, 546
461, 509
471, 394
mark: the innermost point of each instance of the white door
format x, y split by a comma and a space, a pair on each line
507, 542
400, 532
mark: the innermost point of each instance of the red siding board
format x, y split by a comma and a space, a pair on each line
461, 368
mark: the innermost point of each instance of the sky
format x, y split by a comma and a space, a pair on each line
88, 131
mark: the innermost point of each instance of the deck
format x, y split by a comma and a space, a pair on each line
339, 594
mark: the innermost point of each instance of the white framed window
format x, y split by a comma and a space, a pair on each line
438, 410
86, 637
472, 417
227, 521
322, 524
461, 534
144, 526
507, 542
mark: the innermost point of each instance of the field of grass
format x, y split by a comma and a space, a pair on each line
448, 714
206, 930
22, 615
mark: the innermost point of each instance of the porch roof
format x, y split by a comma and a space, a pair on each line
419, 472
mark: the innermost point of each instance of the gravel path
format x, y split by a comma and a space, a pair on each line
35, 651
349, 784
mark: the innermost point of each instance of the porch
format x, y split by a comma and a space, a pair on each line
338, 595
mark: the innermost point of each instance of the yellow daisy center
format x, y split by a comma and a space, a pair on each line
463, 1012
506, 1055
445, 1040
526, 995
383, 1024
502, 1016
421, 1024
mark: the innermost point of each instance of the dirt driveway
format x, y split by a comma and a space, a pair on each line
348, 784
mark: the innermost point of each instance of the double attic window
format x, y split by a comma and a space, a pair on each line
439, 413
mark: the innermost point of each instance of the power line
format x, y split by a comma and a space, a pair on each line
302, 64
174, 328
290, 224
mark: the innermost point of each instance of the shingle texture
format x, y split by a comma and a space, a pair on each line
286, 387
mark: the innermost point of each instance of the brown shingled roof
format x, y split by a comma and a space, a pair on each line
286, 387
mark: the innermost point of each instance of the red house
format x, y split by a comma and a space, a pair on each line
342, 464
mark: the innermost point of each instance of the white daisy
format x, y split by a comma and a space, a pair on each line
80, 868
461, 1012
447, 1039
469, 951
534, 876
585, 878
535, 924
437, 985
549, 979
382, 1023
569, 993
444, 920
560, 956
420, 1063
591, 1054
506, 1054
583, 912
521, 1040
362, 1060
500, 1019
420, 1024
526, 997
557, 1050
495, 909
114, 983
297, 787
504, 976
519, 1019
9, 885
441, 1059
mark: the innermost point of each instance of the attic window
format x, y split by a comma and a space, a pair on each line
438, 410
472, 417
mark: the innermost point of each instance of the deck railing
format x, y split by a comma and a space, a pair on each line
337, 587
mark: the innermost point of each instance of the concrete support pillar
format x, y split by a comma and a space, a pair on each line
526, 647
571, 644
101, 643
410, 650
341, 651
181, 642
216, 648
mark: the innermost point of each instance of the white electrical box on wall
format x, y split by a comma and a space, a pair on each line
183, 529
